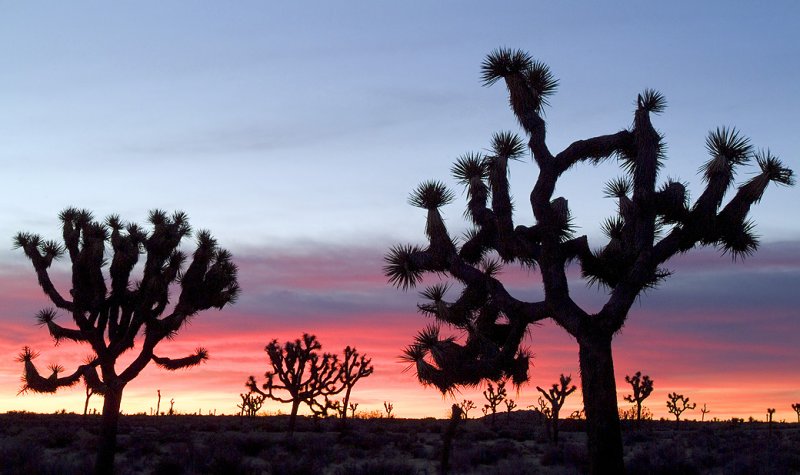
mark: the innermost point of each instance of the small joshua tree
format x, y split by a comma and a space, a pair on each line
654, 222
109, 320
510, 405
353, 368
642, 387
301, 373
466, 406
677, 404
494, 398
556, 396
353, 407
89, 393
796, 408
158, 403
251, 403
703, 411
171, 407
388, 407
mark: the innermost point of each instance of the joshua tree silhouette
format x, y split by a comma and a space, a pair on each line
109, 320
494, 398
251, 403
796, 407
676, 404
300, 372
556, 396
653, 224
703, 411
353, 368
466, 406
388, 407
642, 387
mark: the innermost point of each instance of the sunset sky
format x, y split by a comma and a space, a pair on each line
295, 132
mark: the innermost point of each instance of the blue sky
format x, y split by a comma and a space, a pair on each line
301, 128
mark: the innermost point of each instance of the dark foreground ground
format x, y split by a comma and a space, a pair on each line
65, 444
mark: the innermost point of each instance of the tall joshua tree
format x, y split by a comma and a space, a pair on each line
653, 223
300, 372
354, 367
642, 387
677, 404
110, 319
556, 396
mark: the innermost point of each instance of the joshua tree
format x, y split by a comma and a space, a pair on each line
251, 403
494, 398
301, 373
676, 404
653, 223
466, 406
110, 319
353, 407
158, 404
642, 387
353, 368
89, 393
703, 411
556, 396
388, 407
510, 405
448, 435
171, 406
796, 408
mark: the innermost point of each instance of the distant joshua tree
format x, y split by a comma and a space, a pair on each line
158, 403
703, 411
556, 396
796, 408
109, 320
494, 398
354, 367
466, 406
251, 404
510, 405
353, 407
89, 394
653, 223
388, 407
300, 372
642, 387
676, 404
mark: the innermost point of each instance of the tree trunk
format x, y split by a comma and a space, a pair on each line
293, 416
107, 445
345, 402
555, 427
600, 401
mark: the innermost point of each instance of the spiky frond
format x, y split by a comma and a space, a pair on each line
157, 217
491, 267
739, 240
400, 267
508, 145
542, 82
618, 187
503, 62
772, 166
435, 292
45, 316
468, 167
27, 354
431, 195
612, 227
728, 143
652, 101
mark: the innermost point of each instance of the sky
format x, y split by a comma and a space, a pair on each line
295, 133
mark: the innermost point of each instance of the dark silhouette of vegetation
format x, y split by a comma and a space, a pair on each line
158, 403
556, 396
494, 398
448, 435
796, 408
388, 407
466, 406
353, 407
653, 223
171, 407
89, 394
251, 404
677, 404
642, 387
510, 405
110, 319
353, 368
300, 372
703, 411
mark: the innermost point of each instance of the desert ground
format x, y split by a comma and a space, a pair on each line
516, 443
